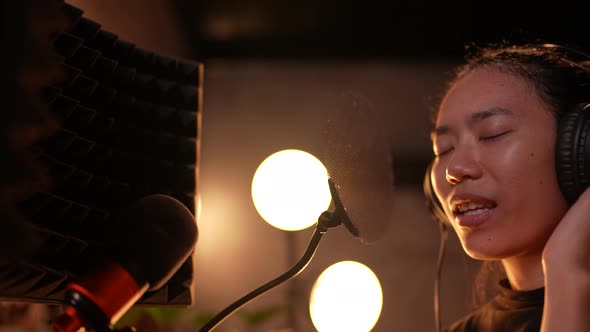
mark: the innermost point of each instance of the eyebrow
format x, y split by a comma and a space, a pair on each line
475, 117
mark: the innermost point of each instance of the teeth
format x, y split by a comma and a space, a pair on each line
471, 212
471, 206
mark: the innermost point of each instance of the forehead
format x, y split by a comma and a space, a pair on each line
489, 88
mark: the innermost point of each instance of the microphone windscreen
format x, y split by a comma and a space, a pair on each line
359, 163
153, 238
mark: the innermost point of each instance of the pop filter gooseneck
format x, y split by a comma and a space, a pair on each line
360, 178
325, 221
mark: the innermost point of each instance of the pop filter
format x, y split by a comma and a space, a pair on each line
359, 163
360, 178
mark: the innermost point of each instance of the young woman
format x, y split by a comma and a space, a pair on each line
496, 174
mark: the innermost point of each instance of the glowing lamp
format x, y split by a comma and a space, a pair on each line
347, 296
290, 189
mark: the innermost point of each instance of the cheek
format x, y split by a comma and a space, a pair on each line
529, 162
528, 176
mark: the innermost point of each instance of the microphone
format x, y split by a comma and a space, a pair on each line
133, 263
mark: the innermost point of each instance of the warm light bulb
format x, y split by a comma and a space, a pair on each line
347, 296
290, 189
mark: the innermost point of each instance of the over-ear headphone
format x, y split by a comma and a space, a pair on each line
572, 152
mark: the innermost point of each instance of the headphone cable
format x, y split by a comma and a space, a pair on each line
439, 263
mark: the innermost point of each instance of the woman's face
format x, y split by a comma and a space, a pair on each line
495, 167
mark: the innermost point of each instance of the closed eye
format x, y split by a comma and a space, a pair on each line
495, 137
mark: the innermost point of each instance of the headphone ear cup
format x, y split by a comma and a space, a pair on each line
572, 152
432, 202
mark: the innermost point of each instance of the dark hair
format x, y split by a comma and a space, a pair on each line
560, 75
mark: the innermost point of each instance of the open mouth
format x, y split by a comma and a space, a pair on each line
472, 208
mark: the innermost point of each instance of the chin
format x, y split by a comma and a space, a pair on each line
484, 246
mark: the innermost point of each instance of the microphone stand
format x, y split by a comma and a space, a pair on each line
325, 221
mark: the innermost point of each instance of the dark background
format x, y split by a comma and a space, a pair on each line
373, 28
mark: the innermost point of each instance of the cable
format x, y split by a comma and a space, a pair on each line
439, 263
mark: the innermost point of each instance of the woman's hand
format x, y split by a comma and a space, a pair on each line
566, 268
568, 247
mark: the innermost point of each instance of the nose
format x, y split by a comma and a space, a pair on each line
464, 164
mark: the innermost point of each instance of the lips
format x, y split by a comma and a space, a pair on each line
472, 210
463, 203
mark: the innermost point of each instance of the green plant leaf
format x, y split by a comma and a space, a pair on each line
131, 317
163, 315
200, 319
